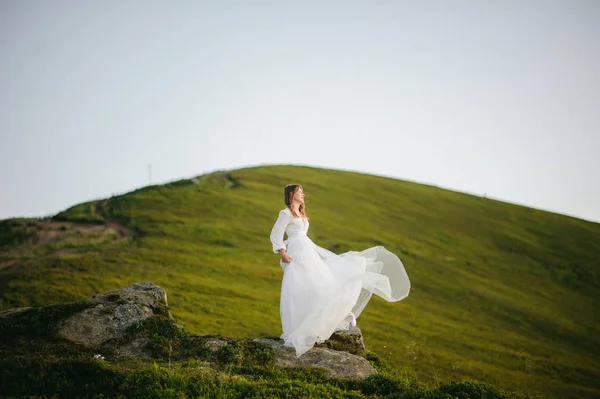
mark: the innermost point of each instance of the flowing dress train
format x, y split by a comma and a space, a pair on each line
321, 291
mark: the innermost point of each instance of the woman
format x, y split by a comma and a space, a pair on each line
322, 292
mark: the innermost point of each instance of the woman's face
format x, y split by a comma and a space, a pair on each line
299, 196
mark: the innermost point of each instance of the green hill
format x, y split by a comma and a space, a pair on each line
500, 293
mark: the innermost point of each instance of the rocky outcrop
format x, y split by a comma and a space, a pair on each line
340, 356
103, 323
112, 313
335, 363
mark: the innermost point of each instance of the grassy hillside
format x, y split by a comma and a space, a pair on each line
500, 293
171, 363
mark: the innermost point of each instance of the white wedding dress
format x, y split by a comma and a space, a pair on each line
322, 292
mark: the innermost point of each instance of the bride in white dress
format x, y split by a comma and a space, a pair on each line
322, 292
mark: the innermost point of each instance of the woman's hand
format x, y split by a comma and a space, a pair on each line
285, 258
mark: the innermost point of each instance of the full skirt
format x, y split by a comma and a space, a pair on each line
320, 289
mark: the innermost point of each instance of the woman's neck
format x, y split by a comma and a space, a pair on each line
295, 208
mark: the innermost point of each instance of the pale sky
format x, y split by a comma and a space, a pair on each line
497, 97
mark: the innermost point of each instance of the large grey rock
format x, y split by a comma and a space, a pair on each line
335, 363
112, 313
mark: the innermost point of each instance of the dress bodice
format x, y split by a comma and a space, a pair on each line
297, 225
288, 224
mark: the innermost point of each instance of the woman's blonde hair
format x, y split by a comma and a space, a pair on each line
288, 194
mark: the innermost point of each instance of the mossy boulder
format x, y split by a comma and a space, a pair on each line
112, 313
335, 363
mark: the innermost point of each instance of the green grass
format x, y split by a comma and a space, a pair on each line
37, 363
189, 379
500, 293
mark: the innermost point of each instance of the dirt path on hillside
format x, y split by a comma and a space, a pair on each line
57, 238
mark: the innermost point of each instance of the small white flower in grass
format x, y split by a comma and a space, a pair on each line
99, 357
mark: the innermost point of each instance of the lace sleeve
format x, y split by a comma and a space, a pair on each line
278, 231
